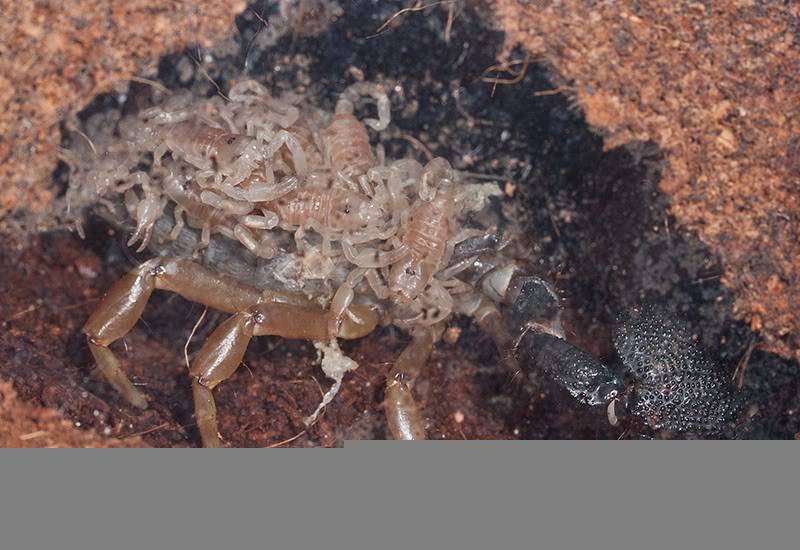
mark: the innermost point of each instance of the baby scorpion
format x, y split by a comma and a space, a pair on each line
255, 180
428, 235
346, 140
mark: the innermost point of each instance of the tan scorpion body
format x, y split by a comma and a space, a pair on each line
346, 237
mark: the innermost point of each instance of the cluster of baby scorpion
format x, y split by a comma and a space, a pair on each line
285, 217
343, 239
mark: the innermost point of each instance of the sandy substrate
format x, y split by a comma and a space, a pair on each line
716, 87
56, 56
23, 424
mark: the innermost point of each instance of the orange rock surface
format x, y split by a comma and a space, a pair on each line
717, 87
55, 57
27, 425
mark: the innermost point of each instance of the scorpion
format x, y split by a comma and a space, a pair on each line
333, 241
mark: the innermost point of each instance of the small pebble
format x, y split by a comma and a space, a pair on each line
452, 334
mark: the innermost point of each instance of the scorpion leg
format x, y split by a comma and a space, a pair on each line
122, 306
352, 94
371, 257
118, 311
267, 220
179, 223
436, 170
263, 248
218, 359
224, 350
256, 313
159, 153
342, 299
489, 319
146, 210
377, 285
402, 412
284, 138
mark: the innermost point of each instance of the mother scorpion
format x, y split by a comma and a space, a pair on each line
256, 169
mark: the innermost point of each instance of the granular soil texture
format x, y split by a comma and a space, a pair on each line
25, 425
56, 56
715, 85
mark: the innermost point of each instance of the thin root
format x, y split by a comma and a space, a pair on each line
287, 441
741, 367
191, 335
157, 85
414, 8
507, 68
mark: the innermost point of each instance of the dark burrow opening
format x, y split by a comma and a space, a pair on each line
595, 224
